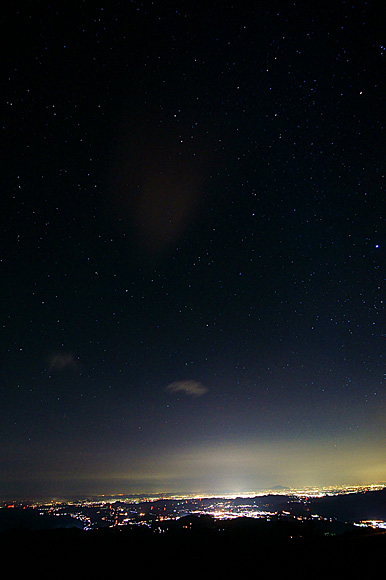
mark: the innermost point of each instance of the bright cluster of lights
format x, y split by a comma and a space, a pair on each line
373, 524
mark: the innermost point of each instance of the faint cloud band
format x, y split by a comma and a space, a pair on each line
190, 388
62, 360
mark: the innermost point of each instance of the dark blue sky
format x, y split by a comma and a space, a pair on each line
192, 247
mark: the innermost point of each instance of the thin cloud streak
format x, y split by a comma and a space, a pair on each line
190, 388
62, 360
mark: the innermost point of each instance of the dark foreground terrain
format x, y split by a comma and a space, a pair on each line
199, 545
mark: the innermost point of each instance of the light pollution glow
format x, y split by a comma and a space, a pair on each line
221, 468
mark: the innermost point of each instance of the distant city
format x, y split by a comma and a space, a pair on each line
157, 511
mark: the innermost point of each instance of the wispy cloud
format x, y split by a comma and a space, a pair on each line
62, 360
190, 388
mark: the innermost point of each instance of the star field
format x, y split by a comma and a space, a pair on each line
192, 247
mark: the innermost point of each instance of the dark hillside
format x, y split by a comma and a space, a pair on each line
200, 545
352, 507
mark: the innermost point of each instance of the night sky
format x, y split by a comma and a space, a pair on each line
192, 246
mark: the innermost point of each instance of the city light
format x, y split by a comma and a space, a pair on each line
122, 511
